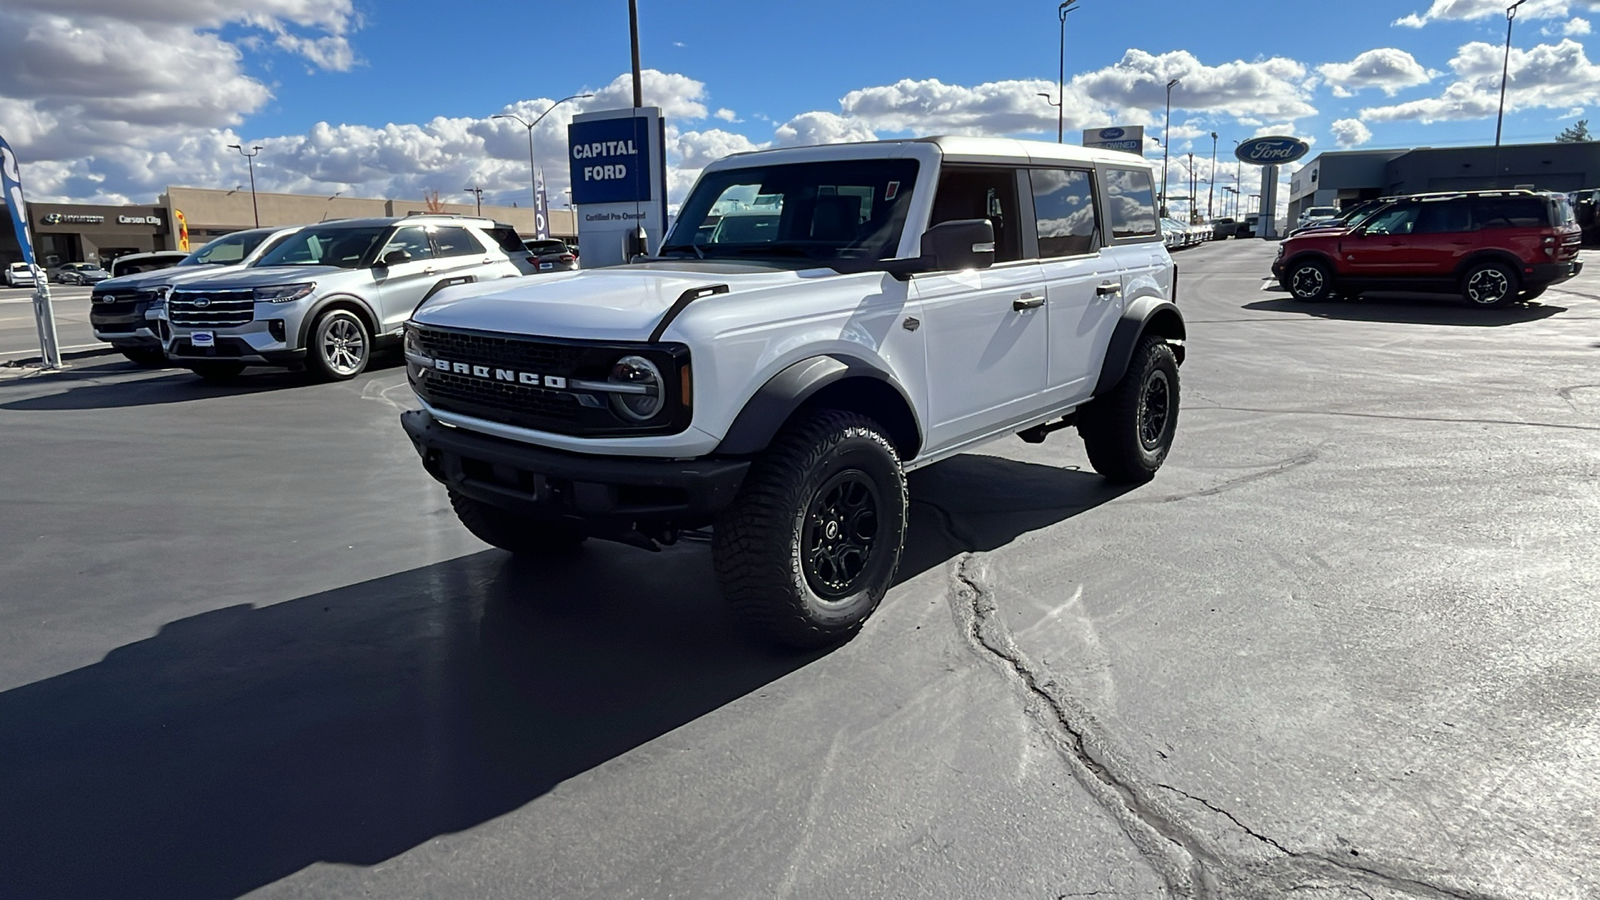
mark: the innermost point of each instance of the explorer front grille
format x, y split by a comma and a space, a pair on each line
211, 309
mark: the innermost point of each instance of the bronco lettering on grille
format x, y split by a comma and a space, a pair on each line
532, 379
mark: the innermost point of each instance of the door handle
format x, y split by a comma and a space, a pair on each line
1027, 301
1109, 288
429, 270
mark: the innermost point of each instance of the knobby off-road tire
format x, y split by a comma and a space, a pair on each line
811, 544
340, 346
1310, 281
217, 372
513, 533
1490, 285
1129, 431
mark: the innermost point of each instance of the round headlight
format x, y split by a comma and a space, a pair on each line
646, 390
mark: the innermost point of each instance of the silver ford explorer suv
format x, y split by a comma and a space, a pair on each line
126, 311
820, 321
323, 297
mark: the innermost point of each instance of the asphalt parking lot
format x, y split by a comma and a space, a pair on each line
19, 336
1345, 645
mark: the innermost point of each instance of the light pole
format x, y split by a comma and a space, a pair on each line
1238, 180
1057, 105
1166, 134
1061, 78
476, 192
1191, 187
250, 157
1505, 71
633, 31
1211, 193
533, 176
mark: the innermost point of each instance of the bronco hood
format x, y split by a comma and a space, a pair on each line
623, 303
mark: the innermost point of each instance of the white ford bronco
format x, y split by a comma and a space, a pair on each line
819, 321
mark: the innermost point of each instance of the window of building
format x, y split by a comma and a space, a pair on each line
1063, 204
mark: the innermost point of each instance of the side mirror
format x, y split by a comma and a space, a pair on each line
961, 244
394, 258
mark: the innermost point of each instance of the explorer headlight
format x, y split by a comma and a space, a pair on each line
639, 391
285, 293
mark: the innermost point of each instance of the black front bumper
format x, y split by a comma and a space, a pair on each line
601, 493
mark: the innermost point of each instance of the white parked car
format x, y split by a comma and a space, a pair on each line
19, 275
909, 301
1314, 214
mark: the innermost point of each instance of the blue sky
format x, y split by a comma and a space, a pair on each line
115, 99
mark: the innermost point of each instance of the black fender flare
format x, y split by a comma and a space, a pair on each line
774, 402
368, 315
1504, 257
1143, 316
1317, 255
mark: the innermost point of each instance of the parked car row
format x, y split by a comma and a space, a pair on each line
1490, 247
1176, 235
321, 297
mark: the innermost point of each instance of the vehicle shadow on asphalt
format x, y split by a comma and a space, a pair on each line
172, 386
236, 747
1411, 309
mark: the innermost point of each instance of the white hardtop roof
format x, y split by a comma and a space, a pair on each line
954, 148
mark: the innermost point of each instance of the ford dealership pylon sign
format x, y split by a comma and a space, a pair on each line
1129, 139
1272, 151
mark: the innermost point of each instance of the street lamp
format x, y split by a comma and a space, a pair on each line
1166, 133
1191, 187
1238, 179
1211, 194
533, 172
1057, 104
1505, 71
476, 192
250, 157
1061, 78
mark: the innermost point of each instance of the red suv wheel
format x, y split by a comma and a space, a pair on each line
1490, 285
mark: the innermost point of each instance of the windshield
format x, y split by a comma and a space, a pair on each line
343, 247
851, 209
229, 250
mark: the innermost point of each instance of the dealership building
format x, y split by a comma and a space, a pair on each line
1345, 177
73, 232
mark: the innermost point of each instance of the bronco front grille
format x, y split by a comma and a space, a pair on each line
211, 309
524, 381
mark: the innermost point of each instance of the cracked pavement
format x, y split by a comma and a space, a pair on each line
1342, 647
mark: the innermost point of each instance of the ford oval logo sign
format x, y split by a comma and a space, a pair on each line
1272, 151
1111, 134
202, 302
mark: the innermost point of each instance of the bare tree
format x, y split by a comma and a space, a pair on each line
431, 199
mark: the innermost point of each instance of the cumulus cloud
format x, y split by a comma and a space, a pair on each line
998, 107
1386, 68
1350, 132
728, 115
1551, 76
1273, 88
1469, 10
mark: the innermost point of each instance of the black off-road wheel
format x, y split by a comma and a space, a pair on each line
1310, 281
149, 359
513, 533
1128, 432
217, 372
1490, 285
811, 544
340, 346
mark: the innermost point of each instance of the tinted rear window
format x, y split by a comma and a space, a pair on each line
506, 237
454, 241
1509, 212
1131, 204
1063, 203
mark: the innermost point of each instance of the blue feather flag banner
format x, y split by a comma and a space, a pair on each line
44, 317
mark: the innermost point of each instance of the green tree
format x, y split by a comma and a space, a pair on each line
1576, 133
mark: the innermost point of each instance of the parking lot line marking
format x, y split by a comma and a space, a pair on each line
35, 351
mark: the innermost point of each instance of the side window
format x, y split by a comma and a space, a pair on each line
991, 194
506, 237
1063, 203
454, 241
1394, 220
1508, 212
1131, 203
411, 239
1444, 217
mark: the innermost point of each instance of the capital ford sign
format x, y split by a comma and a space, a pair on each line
610, 160
1272, 151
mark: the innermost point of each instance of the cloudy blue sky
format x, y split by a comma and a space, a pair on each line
113, 100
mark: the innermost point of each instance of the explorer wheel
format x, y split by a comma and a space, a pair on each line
217, 372
1310, 281
1129, 431
1489, 286
340, 346
524, 537
811, 544
150, 359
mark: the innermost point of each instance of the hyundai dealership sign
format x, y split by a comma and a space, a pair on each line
1129, 138
1272, 151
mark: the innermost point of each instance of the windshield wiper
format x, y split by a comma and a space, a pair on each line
679, 248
